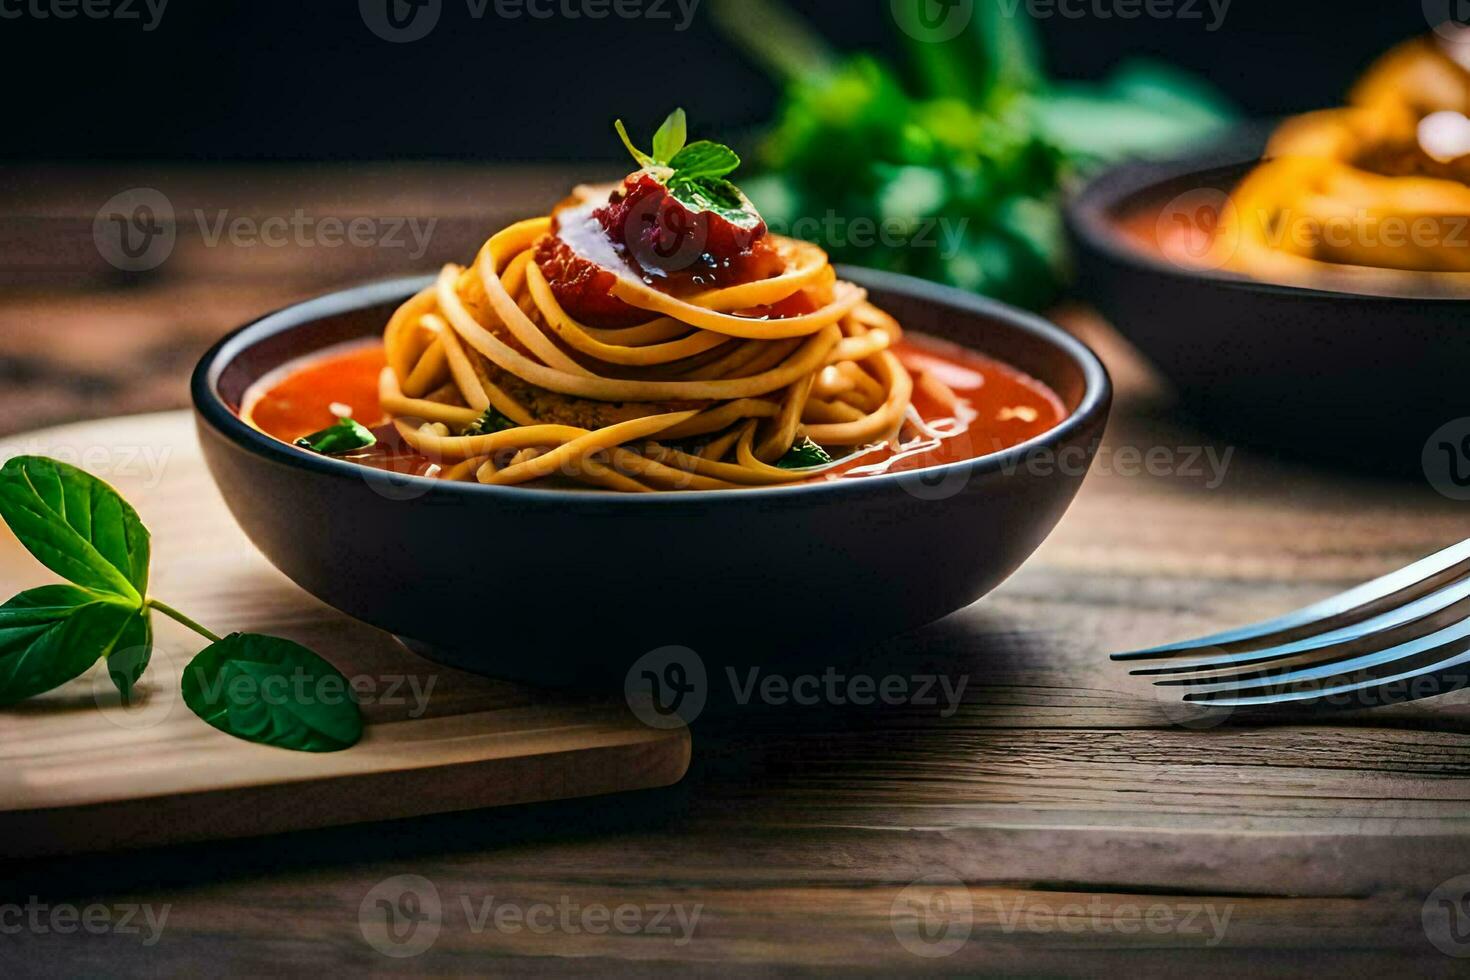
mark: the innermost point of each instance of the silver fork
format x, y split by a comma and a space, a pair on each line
1398, 638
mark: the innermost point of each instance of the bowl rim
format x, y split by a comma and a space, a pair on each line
210, 406
1088, 213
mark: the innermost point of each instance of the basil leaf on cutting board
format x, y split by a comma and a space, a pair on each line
272, 691
134, 650
51, 635
76, 525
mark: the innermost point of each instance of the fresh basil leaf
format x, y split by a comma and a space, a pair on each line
128, 660
272, 691
347, 436
804, 454
644, 160
703, 159
52, 634
671, 136
76, 525
718, 196
491, 421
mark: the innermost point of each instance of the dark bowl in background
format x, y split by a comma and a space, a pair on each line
1310, 373
563, 587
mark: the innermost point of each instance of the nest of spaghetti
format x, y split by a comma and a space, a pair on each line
1373, 196
633, 343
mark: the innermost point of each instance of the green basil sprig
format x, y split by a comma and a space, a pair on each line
804, 454
81, 528
491, 421
695, 172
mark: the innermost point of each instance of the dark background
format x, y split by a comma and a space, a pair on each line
303, 79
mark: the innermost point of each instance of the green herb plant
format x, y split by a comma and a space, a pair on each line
252, 687
960, 154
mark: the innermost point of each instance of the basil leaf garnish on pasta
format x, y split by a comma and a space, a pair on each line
492, 421
704, 160
670, 138
82, 529
347, 436
803, 454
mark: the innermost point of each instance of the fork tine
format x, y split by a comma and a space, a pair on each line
1379, 588
1436, 601
1454, 681
1378, 658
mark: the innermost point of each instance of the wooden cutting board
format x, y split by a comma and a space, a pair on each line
80, 771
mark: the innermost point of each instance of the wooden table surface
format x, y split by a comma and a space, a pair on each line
1061, 819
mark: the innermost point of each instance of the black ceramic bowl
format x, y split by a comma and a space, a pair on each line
557, 586
1315, 373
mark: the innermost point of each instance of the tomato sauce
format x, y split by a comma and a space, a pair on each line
999, 407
